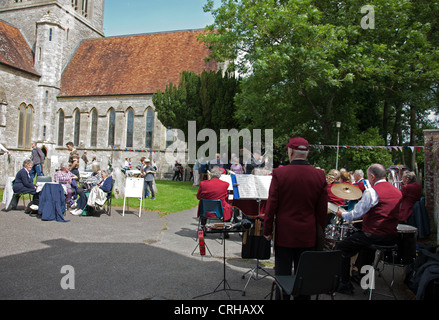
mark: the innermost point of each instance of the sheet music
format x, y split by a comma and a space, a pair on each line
227, 179
253, 187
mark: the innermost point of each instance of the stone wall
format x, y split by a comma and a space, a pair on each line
431, 184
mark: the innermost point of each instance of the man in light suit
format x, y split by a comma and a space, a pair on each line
296, 208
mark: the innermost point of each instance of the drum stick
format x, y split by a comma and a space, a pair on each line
356, 221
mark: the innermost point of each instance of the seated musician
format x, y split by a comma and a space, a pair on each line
65, 177
379, 209
359, 180
411, 193
215, 189
332, 178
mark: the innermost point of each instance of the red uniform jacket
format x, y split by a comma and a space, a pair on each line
411, 193
298, 201
215, 189
384, 217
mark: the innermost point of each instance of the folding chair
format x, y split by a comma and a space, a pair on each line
318, 272
18, 195
209, 210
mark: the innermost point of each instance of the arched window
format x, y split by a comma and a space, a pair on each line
61, 128
149, 128
94, 128
77, 127
25, 126
130, 128
111, 127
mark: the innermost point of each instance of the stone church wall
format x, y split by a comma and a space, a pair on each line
22, 88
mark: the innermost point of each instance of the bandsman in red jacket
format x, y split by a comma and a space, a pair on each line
296, 207
379, 209
411, 193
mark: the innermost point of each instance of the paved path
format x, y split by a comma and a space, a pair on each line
125, 258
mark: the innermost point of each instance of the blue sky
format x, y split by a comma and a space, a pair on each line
124, 17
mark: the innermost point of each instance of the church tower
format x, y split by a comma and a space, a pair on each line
53, 29
80, 19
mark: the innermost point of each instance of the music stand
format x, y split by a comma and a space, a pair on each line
226, 287
255, 270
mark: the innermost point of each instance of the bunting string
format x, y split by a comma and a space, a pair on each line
388, 148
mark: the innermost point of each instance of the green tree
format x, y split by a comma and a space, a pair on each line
207, 99
310, 63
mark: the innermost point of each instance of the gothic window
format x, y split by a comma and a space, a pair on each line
85, 8
130, 128
50, 34
111, 127
149, 128
61, 128
75, 4
25, 126
94, 128
77, 127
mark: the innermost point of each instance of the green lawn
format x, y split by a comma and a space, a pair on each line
172, 196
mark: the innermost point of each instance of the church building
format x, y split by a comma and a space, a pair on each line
62, 80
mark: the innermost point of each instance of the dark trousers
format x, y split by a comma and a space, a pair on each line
14, 202
148, 185
360, 243
284, 258
81, 202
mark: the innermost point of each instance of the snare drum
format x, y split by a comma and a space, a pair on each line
335, 233
406, 252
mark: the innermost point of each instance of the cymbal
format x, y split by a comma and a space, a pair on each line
346, 191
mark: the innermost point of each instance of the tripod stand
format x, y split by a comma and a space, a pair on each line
225, 285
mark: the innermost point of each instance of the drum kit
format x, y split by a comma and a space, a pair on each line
337, 230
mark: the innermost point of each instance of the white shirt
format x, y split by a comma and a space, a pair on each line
367, 202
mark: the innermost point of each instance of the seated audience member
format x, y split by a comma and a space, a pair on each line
215, 189
93, 180
411, 193
332, 178
105, 185
236, 167
23, 184
65, 177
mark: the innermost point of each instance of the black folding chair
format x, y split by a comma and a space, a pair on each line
109, 200
318, 272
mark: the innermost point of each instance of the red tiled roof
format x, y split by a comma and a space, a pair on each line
14, 51
138, 64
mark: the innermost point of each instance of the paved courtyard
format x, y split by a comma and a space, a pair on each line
128, 258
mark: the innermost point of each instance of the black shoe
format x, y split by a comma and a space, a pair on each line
345, 288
